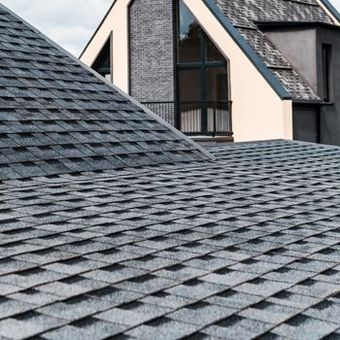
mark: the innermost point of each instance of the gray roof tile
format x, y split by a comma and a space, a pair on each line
245, 16
201, 313
88, 328
305, 327
247, 247
236, 327
58, 117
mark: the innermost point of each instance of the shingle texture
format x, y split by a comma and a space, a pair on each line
245, 247
58, 117
245, 14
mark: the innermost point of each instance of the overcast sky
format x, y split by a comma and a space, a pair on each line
70, 23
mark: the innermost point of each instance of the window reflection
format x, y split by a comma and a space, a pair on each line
102, 64
213, 53
193, 44
217, 80
189, 37
202, 79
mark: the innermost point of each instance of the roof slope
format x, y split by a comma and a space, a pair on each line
245, 14
57, 117
244, 248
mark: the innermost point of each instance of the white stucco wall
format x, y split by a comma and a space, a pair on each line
117, 23
258, 112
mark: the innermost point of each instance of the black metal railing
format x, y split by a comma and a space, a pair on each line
208, 118
166, 110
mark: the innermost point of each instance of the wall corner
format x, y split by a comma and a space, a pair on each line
288, 119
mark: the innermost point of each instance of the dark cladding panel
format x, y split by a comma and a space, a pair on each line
306, 124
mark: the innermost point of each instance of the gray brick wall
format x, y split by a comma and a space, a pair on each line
151, 50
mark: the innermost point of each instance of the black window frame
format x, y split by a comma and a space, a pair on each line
104, 71
204, 64
326, 55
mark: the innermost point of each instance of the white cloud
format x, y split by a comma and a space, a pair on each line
70, 23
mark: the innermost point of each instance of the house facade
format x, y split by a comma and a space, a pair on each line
247, 70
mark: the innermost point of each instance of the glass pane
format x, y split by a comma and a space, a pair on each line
218, 107
217, 83
189, 96
189, 40
189, 84
102, 64
213, 53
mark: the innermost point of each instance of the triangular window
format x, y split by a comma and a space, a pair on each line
193, 44
203, 105
103, 63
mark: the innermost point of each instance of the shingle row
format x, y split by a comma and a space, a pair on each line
245, 14
247, 247
57, 117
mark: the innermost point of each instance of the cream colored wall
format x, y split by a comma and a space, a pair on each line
117, 23
258, 112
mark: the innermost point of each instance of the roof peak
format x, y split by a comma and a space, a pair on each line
57, 116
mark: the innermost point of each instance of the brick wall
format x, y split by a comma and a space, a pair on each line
152, 50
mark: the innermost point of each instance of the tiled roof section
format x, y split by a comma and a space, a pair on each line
244, 14
244, 248
247, 12
58, 117
279, 65
294, 83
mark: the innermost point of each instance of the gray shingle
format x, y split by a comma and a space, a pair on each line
245, 16
240, 249
305, 328
58, 117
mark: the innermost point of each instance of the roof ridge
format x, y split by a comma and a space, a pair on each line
119, 133
110, 84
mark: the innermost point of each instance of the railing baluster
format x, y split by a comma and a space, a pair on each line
189, 115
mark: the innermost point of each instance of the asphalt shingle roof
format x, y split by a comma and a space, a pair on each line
57, 117
247, 246
246, 14
242, 246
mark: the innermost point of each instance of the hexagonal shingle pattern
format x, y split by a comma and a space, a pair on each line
245, 16
57, 117
245, 247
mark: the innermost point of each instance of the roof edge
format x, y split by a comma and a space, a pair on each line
295, 24
97, 29
114, 87
316, 102
248, 50
332, 9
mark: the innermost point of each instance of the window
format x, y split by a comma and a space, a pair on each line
202, 78
326, 71
102, 64
189, 37
194, 46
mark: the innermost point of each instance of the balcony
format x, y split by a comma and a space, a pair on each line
197, 118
